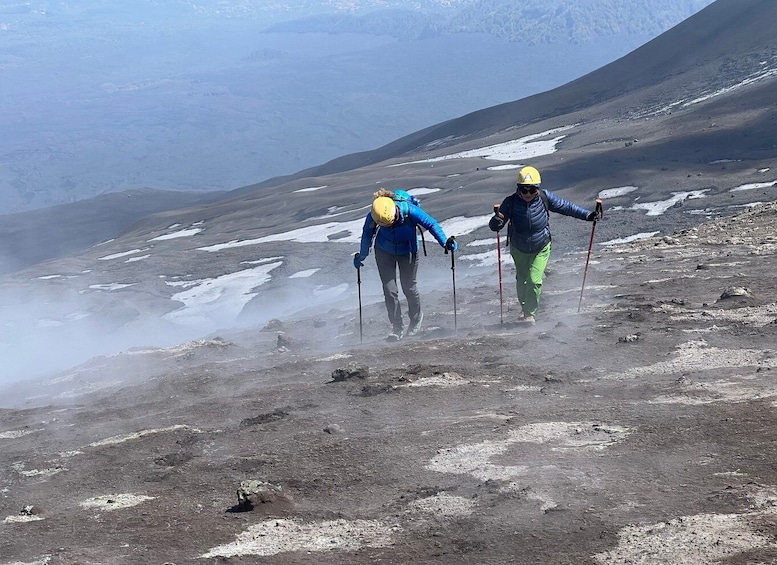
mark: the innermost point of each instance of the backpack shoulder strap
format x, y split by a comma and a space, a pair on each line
544, 197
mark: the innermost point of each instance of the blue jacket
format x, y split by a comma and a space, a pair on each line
529, 229
401, 238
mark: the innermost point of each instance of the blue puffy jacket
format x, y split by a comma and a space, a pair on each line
529, 229
400, 238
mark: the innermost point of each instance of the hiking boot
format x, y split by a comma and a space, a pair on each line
395, 335
415, 327
528, 320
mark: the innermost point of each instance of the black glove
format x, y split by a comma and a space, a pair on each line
496, 223
451, 245
593, 217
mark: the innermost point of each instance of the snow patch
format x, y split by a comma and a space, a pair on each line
504, 167
515, 150
420, 191
175, 235
474, 459
618, 191
21, 518
141, 434
122, 254
281, 536
753, 186
462, 225
313, 234
658, 208
109, 502
630, 238
13, 434
221, 298
698, 355
311, 189
304, 274
49, 472
110, 287
703, 538
696, 394
134, 259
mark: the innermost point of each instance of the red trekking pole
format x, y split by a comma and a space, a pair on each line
599, 214
499, 262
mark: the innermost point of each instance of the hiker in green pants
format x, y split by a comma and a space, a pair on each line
527, 212
529, 269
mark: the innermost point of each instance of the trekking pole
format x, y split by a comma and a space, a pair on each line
599, 214
451, 239
499, 262
359, 286
423, 241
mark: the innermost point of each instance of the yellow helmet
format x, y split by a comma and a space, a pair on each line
529, 175
384, 211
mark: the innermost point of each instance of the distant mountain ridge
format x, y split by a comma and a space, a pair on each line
674, 66
106, 96
530, 21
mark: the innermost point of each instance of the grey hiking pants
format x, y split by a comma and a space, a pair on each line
408, 269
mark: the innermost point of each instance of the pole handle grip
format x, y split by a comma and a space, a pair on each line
449, 240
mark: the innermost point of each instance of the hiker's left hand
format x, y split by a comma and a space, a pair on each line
496, 223
593, 217
451, 244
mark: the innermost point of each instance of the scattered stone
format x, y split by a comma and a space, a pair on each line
376, 389
283, 341
334, 429
272, 325
350, 371
319, 323
735, 291
628, 339
253, 494
273, 416
30, 510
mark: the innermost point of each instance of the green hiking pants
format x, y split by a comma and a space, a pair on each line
529, 270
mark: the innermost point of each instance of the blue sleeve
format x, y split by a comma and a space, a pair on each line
419, 217
368, 234
565, 207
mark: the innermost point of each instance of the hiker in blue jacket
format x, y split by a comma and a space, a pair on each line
391, 225
528, 210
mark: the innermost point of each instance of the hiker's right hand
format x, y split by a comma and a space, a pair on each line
496, 223
358, 261
593, 216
